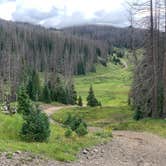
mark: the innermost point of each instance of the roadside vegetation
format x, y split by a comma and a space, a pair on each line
58, 145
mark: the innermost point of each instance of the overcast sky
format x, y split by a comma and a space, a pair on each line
61, 13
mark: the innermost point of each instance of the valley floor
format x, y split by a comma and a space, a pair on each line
127, 147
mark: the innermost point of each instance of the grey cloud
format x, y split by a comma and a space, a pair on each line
114, 18
57, 17
33, 15
76, 18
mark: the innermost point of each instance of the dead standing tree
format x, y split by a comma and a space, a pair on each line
148, 83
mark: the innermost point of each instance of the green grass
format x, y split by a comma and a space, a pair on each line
58, 146
111, 85
99, 117
155, 126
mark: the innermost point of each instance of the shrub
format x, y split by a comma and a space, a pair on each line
74, 122
68, 132
138, 115
36, 126
68, 120
81, 130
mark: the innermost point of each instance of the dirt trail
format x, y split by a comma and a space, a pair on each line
51, 110
126, 149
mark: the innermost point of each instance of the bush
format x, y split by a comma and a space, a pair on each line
74, 122
68, 120
138, 115
81, 130
68, 132
36, 126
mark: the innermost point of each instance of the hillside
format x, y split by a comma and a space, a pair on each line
25, 47
114, 36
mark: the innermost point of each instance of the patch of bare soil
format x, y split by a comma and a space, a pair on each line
127, 149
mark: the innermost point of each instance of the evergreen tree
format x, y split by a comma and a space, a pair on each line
24, 103
33, 86
71, 94
81, 68
61, 95
46, 94
36, 126
60, 91
80, 101
51, 89
91, 99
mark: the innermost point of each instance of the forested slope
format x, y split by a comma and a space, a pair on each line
115, 36
24, 46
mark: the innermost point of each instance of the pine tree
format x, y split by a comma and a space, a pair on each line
46, 94
24, 103
81, 68
36, 126
33, 86
71, 95
91, 99
60, 91
80, 101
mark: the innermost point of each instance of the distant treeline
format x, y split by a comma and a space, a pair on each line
114, 36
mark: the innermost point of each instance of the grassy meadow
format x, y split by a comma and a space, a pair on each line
111, 85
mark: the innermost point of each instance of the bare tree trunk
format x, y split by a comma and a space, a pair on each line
164, 67
152, 52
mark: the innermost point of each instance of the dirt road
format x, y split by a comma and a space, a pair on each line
126, 149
